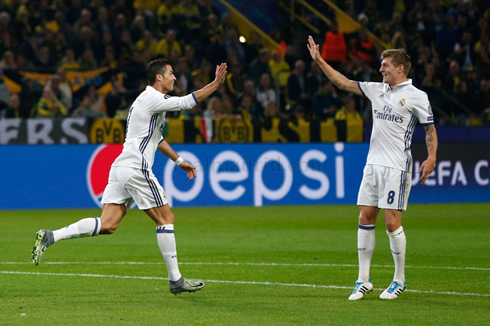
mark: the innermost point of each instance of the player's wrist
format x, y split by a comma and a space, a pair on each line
179, 161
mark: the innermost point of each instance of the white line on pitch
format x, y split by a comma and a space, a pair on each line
235, 264
231, 282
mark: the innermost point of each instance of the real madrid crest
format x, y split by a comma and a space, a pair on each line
402, 102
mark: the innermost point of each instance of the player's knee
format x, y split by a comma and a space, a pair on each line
392, 227
366, 219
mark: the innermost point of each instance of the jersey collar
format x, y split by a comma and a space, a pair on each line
405, 83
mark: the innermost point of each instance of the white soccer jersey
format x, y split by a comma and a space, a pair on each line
395, 113
145, 123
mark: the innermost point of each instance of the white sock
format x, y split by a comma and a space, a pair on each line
88, 227
166, 243
398, 245
365, 248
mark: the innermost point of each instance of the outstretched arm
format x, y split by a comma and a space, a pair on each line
210, 88
336, 77
431, 140
168, 151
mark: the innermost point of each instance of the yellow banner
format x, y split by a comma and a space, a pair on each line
77, 79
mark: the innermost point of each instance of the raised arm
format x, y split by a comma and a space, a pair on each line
336, 77
168, 151
210, 88
431, 140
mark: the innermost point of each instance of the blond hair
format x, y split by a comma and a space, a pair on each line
398, 57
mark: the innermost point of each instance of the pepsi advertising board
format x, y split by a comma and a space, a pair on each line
74, 176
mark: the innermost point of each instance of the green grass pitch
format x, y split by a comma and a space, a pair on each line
262, 266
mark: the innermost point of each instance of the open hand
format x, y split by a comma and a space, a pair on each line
221, 73
426, 168
313, 48
189, 169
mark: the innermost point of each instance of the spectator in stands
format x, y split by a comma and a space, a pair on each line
211, 30
86, 40
398, 41
277, 36
314, 77
30, 94
109, 60
364, 48
13, 109
50, 106
446, 37
280, 70
372, 13
88, 61
168, 14
249, 109
115, 100
102, 24
430, 80
248, 89
481, 98
465, 52
298, 114
8, 60
229, 109
259, 66
137, 28
84, 21
63, 94
227, 23
207, 8
334, 49
203, 73
396, 24
234, 80
271, 111
253, 46
190, 20
91, 105
184, 83
119, 7
135, 75
348, 111
326, 102
234, 44
43, 62
482, 49
451, 81
168, 44
299, 92
4, 94
125, 47
460, 110
149, 43
266, 93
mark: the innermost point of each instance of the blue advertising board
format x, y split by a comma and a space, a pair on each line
74, 176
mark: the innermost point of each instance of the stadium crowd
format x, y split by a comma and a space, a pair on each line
448, 42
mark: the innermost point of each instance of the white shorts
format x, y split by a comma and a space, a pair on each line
129, 184
385, 187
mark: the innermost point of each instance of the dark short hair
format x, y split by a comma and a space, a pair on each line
399, 57
154, 68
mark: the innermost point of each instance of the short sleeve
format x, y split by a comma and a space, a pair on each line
368, 89
423, 110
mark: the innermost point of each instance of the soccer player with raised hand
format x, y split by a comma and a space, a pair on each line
397, 107
131, 178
